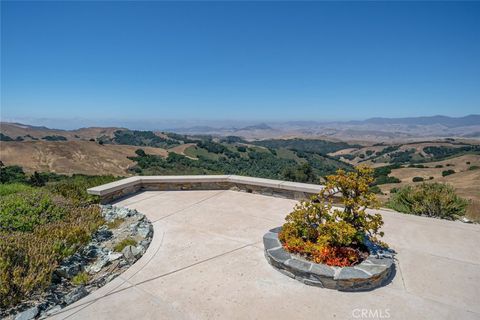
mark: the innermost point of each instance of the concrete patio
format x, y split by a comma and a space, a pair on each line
206, 261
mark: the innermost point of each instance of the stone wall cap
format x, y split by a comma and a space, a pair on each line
112, 187
190, 178
301, 187
262, 182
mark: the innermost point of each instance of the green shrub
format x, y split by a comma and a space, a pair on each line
125, 242
37, 180
417, 179
75, 187
80, 279
381, 174
438, 166
54, 138
9, 188
420, 166
393, 190
376, 190
447, 172
300, 173
22, 211
334, 236
473, 167
429, 199
11, 174
387, 179
115, 223
39, 227
27, 259
4, 137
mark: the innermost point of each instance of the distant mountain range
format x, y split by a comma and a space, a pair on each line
451, 122
373, 129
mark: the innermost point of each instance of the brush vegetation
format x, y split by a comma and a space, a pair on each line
429, 199
336, 237
39, 227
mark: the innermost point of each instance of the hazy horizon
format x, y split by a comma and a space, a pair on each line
165, 124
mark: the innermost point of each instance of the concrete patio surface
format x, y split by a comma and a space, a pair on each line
206, 261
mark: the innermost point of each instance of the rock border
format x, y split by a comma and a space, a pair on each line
375, 271
97, 259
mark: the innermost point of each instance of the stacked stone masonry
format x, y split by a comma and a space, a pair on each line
276, 188
373, 272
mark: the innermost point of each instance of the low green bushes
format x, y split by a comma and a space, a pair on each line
75, 187
429, 199
10, 174
28, 258
80, 279
6, 189
40, 226
125, 242
447, 172
381, 174
23, 211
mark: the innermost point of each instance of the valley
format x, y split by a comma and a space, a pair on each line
124, 152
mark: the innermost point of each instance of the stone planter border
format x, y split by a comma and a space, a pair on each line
285, 189
373, 272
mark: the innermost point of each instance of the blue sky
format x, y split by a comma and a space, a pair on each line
239, 60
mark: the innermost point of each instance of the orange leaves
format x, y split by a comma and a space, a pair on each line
337, 256
331, 235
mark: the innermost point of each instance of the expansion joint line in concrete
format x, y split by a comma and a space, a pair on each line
114, 290
157, 194
188, 207
132, 285
195, 264
401, 274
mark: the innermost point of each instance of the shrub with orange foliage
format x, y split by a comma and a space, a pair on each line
335, 236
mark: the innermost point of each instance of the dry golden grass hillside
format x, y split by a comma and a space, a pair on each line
14, 130
68, 157
465, 181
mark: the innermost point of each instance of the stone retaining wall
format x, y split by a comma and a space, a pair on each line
276, 188
371, 273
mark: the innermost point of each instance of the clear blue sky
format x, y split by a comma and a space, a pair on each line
239, 60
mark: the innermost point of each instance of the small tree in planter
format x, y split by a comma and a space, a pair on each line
335, 236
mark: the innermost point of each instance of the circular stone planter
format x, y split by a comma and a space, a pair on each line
373, 272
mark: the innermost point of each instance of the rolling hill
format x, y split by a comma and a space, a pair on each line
123, 152
68, 157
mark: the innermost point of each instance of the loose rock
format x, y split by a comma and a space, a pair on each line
96, 258
28, 314
131, 253
75, 295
